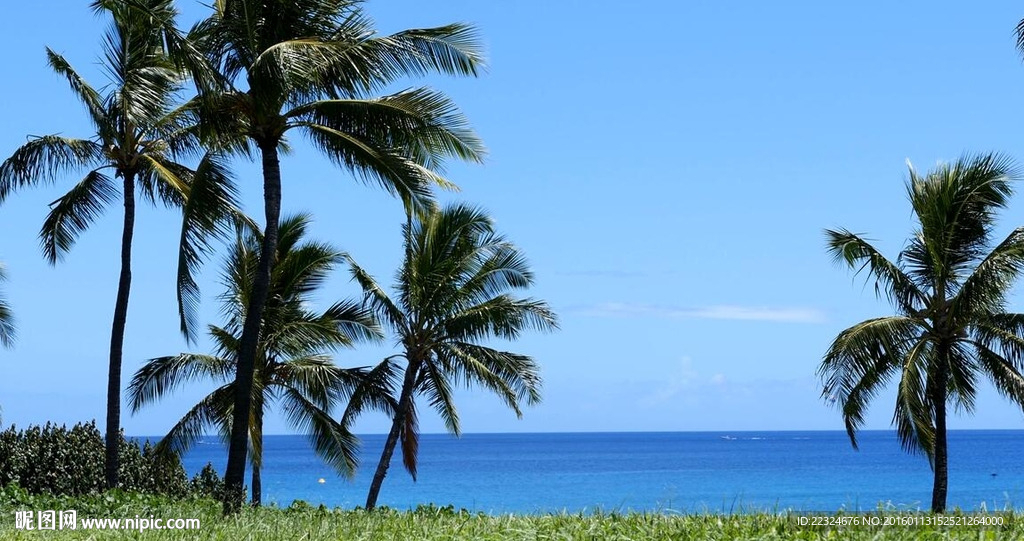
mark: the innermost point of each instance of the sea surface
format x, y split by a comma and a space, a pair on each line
665, 472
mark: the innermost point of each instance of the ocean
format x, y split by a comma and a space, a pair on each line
727, 472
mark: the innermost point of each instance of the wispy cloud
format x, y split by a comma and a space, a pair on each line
727, 312
603, 273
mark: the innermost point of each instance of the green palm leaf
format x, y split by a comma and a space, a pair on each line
7, 330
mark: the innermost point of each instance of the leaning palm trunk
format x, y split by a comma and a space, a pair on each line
235, 472
113, 431
405, 405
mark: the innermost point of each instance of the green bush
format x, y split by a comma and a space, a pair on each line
207, 483
55, 460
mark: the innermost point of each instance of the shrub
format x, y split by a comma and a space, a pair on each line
207, 483
55, 460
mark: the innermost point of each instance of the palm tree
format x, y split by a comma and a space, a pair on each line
6, 317
293, 364
139, 136
308, 66
452, 294
949, 287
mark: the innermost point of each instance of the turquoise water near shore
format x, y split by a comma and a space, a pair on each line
668, 472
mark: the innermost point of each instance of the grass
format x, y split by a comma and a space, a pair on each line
433, 523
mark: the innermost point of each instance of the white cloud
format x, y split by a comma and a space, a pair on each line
681, 379
727, 312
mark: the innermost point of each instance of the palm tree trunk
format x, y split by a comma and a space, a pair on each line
257, 486
234, 474
404, 402
257, 460
124, 284
941, 484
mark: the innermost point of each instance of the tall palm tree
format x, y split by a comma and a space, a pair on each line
452, 294
309, 66
6, 317
293, 364
949, 286
140, 134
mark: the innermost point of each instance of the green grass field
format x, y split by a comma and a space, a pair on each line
432, 523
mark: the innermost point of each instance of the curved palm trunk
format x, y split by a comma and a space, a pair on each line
124, 284
941, 484
404, 402
234, 474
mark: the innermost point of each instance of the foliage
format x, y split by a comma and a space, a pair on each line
56, 460
207, 483
433, 523
6, 317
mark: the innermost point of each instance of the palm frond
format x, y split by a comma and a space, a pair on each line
863, 357
1004, 332
955, 205
913, 413
377, 299
354, 321
452, 49
86, 93
515, 377
985, 289
387, 167
7, 329
962, 385
890, 281
435, 385
410, 439
44, 160
74, 212
376, 392
210, 209
1003, 373
331, 440
162, 375
502, 316
214, 410
318, 379
424, 124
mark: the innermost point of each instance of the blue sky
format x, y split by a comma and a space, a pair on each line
668, 167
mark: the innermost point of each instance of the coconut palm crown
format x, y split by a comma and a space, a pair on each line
949, 287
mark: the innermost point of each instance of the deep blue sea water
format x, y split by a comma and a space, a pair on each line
685, 472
